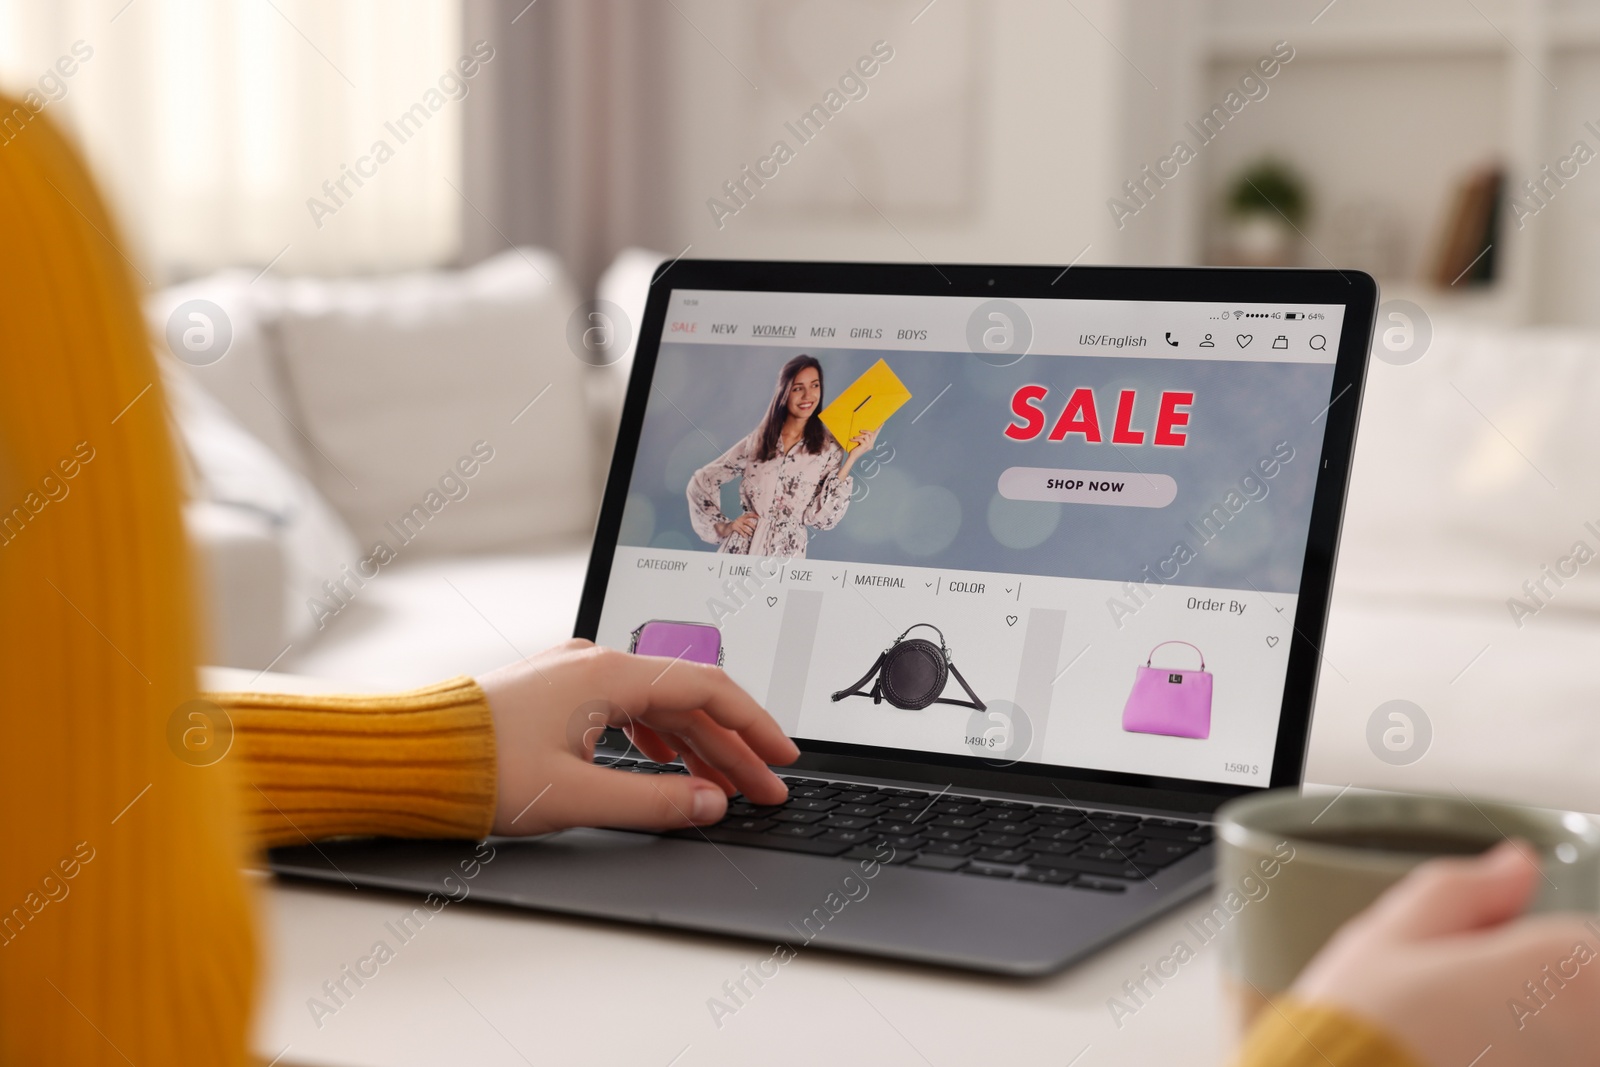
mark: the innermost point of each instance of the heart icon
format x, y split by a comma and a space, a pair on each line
1011, 620
772, 600
1244, 340
1272, 642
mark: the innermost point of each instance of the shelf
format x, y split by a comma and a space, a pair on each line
1571, 30
1489, 305
1247, 43
1482, 73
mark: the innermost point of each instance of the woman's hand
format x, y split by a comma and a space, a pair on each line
864, 442
1439, 964
745, 524
550, 709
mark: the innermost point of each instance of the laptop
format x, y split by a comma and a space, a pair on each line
1068, 598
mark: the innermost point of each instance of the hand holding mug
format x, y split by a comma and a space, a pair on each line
1400, 910
1442, 959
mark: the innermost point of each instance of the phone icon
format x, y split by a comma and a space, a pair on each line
1170, 341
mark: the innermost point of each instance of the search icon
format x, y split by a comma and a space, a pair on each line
1319, 342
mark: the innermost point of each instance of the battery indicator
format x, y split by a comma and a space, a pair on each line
1294, 314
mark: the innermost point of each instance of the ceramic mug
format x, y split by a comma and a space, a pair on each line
1291, 869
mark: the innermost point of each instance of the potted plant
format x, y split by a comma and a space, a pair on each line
1267, 208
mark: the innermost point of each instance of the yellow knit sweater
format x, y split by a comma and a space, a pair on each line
125, 928
126, 933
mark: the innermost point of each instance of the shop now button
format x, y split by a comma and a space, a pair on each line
1133, 490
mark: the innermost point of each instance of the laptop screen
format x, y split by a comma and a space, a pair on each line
1058, 532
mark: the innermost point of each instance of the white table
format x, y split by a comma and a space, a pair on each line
490, 986
486, 985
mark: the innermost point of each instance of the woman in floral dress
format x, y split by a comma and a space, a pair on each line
795, 474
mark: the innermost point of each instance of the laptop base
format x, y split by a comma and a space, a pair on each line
777, 898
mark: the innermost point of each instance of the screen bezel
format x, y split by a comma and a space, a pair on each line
1354, 290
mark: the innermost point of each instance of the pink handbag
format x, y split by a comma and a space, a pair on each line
696, 642
1176, 703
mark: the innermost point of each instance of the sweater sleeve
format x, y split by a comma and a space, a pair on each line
1291, 1033
414, 764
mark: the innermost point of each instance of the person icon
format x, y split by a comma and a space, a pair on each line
1207, 343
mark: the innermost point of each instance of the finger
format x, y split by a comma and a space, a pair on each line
1536, 937
701, 769
664, 749
1551, 950
662, 692
726, 750
739, 750
1449, 896
602, 797
750, 776
650, 743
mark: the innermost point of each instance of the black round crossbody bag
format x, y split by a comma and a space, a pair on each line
912, 674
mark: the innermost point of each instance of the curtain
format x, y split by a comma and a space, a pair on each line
569, 145
299, 135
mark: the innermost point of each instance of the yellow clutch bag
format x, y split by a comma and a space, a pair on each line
866, 404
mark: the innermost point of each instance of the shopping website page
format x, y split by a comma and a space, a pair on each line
1065, 532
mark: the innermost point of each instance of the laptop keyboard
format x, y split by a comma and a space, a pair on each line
1044, 843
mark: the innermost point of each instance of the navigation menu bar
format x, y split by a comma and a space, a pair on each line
1003, 330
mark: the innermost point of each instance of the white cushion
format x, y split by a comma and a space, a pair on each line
1510, 710
233, 469
247, 379
397, 379
419, 621
1474, 468
241, 565
626, 283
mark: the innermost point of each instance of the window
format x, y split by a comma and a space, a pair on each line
317, 137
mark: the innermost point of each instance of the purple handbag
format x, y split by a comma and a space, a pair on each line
1176, 703
697, 642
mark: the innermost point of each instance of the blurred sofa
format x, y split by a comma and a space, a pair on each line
392, 480
340, 405
1474, 483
